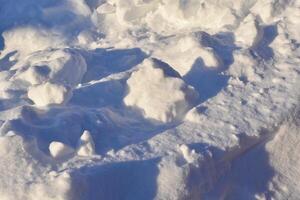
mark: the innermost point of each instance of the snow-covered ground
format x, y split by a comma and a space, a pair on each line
149, 99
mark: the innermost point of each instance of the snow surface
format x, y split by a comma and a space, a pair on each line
149, 99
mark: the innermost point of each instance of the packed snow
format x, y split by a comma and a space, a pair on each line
149, 99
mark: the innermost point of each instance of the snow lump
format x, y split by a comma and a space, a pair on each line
181, 54
86, 145
64, 66
159, 91
28, 39
49, 93
59, 150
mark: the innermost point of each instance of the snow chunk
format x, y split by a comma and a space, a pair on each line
59, 150
35, 74
63, 66
49, 93
189, 155
29, 39
183, 53
86, 38
86, 145
159, 91
106, 8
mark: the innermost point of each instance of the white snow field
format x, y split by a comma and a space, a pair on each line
149, 99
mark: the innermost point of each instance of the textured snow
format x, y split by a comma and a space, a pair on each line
149, 99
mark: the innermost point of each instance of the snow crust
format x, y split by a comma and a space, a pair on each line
149, 99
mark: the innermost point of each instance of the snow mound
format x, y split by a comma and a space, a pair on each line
86, 145
49, 93
159, 92
59, 150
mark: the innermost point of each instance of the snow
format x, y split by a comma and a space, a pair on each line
62, 66
149, 99
247, 31
159, 92
106, 8
59, 150
176, 175
182, 53
49, 93
28, 174
244, 67
189, 155
270, 168
86, 145
284, 159
28, 39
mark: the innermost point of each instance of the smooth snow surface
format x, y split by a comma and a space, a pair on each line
149, 99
